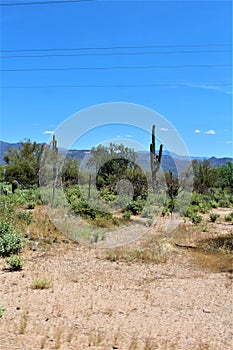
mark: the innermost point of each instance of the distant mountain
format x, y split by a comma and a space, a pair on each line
170, 161
217, 162
4, 147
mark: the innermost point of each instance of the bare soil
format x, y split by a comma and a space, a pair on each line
94, 303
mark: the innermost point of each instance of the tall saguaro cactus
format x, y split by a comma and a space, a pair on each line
155, 160
55, 166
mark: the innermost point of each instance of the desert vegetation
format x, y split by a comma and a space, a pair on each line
113, 194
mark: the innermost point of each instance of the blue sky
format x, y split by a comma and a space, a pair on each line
173, 57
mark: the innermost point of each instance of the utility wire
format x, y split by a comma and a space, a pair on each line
117, 53
43, 2
118, 67
207, 86
117, 86
116, 47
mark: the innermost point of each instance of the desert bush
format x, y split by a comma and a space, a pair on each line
196, 199
213, 204
16, 262
224, 203
136, 206
150, 211
109, 197
229, 217
82, 208
41, 283
7, 209
165, 211
196, 219
214, 217
25, 216
126, 214
72, 193
203, 208
10, 240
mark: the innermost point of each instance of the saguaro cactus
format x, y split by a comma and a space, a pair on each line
155, 160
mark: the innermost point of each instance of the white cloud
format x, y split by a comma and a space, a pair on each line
229, 142
197, 131
210, 132
129, 136
219, 88
48, 132
164, 129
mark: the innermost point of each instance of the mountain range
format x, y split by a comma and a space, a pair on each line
170, 161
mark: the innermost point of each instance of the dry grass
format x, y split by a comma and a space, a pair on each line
156, 250
42, 230
41, 283
215, 253
23, 323
213, 247
215, 262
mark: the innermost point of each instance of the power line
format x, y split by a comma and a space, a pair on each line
118, 53
118, 67
116, 47
43, 2
208, 86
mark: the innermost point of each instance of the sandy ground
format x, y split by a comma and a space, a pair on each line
93, 303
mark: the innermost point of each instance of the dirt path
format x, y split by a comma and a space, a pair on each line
93, 303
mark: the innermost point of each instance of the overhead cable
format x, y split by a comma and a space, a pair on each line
116, 47
43, 2
117, 53
118, 67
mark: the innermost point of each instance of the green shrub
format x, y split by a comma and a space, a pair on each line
25, 216
214, 204
196, 219
196, 198
214, 217
16, 262
165, 211
135, 206
83, 208
191, 211
31, 205
224, 203
203, 208
127, 214
10, 241
229, 217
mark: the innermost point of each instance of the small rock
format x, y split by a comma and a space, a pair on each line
206, 311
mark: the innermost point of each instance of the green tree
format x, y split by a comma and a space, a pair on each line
102, 154
115, 163
23, 164
70, 171
225, 176
204, 176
